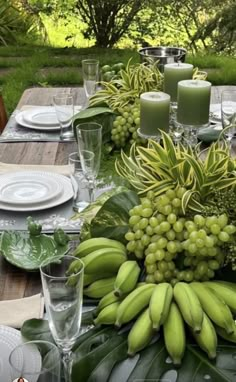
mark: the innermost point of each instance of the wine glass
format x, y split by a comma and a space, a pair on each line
90, 72
89, 137
63, 294
64, 107
35, 361
228, 114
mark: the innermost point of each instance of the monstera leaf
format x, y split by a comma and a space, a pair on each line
29, 252
101, 355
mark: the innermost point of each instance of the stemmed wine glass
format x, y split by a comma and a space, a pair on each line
89, 137
228, 114
90, 71
63, 294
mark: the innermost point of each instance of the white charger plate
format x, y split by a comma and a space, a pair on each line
41, 116
66, 194
27, 188
19, 117
9, 339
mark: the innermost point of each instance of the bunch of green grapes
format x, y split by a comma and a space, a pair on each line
125, 126
174, 247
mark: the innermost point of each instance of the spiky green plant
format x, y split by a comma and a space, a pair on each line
135, 80
162, 167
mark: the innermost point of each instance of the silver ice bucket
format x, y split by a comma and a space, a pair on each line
162, 54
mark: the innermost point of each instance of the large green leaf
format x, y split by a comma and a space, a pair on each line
113, 218
29, 252
99, 350
101, 115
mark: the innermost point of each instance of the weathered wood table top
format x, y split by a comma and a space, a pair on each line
16, 283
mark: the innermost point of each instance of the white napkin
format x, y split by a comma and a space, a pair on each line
14, 312
66, 170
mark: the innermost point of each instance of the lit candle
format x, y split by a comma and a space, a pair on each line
173, 73
193, 102
154, 113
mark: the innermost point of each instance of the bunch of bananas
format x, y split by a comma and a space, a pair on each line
205, 308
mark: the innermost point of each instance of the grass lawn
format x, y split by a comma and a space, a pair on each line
23, 67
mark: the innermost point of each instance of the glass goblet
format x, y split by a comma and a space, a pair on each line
89, 137
64, 107
63, 294
90, 72
228, 114
35, 361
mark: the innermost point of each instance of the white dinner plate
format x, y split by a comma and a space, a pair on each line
41, 116
27, 188
19, 117
66, 194
9, 339
215, 112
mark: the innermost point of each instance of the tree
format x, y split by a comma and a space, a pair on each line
108, 20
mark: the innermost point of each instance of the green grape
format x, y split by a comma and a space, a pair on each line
192, 248
153, 221
152, 247
200, 243
209, 242
180, 192
171, 247
147, 212
188, 276
138, 253
161, 243
224, 236
180, 275
146, 203
143, 223
150, 279
215, 229
213, 264
150, 259
167, 274
145, 240
166, 210
178, 226
222, 220
174, 281
130, 236
138, 234
171, 265
171, 194
176, 202
160, 254
171, 218
202, 267
151, 268
170, 234
131, 246
230, 229
160, 218
149, 230
211, 220
159, 277
155, 237
169, 256
162, 266
201, 234
165, 226
187, 261
210, 273
193, 236
163, 200
151, 195
138, 210
199, 220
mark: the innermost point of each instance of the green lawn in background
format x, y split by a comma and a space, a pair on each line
25, 67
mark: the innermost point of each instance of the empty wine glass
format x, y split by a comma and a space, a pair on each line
90, 71
63, 294
228, 114
35, 361
64, 107
89, 137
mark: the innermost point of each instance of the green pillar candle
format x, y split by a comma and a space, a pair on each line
193, 102
173, 73
154, 113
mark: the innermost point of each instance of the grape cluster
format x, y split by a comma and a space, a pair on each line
176, 247
125, 126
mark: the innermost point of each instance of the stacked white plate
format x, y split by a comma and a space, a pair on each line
33, 190
38, 118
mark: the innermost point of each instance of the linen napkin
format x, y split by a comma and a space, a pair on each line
66, 170
14, 312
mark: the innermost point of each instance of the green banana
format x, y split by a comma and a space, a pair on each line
189, 305
106, 300
214, 307
99, 288
141, 333
226, 283
207, 338
96, 243
225, 292
160, 304
104, 260
90, 278
107, 315
126, 278
174, 334
229, 337
133, 304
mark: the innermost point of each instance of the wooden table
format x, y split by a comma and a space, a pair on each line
15, 283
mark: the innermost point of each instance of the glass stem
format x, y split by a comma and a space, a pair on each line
91, 190
67, 360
